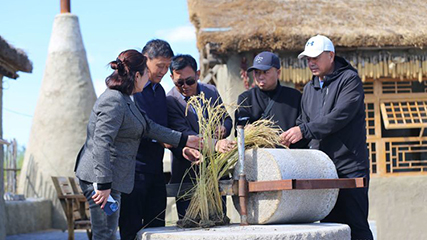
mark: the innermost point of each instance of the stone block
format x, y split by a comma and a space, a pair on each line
28, 216
312, 231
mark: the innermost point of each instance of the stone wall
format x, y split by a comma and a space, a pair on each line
398, 205
28, 216
230, 84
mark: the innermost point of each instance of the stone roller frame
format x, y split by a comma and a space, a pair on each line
242, 188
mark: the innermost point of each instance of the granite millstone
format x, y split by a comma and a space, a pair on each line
288, 206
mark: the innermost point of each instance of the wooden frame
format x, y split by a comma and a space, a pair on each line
74, 205
403, 114
388, 155
299, 184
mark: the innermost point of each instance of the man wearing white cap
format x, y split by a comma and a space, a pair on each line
333, 120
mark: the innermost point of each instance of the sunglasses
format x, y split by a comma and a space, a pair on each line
188, 81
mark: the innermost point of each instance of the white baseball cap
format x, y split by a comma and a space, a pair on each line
316, 45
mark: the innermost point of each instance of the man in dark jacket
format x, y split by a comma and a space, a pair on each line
333, 119
146, 205
185, 76
268, 99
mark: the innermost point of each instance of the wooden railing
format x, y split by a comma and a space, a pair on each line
396, 156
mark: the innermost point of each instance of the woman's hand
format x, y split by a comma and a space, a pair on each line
191, 154
101, 197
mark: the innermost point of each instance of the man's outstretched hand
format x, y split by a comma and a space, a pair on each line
224, 145
291, 136
194, 141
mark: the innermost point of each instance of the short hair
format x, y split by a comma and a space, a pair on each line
157, 48
182, 61
127, 64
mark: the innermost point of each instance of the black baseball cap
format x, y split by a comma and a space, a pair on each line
265, 61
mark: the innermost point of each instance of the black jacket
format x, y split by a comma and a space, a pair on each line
284, 112
333, 118
149, 158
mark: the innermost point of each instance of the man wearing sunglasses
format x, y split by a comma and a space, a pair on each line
184, 75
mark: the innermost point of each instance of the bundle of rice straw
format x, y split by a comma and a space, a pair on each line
205, 209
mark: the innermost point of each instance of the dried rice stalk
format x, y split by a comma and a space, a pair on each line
205, 209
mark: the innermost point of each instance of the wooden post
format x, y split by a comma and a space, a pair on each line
380, 143
2, 203
65, 6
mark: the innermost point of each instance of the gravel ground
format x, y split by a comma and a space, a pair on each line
51, 235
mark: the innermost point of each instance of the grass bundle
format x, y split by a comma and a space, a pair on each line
206, 205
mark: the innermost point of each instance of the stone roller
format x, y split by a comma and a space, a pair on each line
287, 206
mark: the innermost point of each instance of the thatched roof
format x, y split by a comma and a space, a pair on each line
246, 25
13, 60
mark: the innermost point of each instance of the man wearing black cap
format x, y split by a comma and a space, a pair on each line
268, 99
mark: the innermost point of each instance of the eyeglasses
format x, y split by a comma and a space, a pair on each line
188, 81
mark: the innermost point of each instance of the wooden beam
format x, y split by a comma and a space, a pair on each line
295, 184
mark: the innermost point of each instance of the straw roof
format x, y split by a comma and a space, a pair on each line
246, 25
13, 60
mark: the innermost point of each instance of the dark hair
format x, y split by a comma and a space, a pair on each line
181, 61
157, 48
127, 64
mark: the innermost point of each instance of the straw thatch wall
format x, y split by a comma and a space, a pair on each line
402, 64
243, 25
13, 60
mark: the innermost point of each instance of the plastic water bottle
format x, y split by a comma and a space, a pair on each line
111, 206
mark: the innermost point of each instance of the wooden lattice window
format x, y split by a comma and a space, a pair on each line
404, 114
370, 118
406, 156
368, 87
394, 87
372, 156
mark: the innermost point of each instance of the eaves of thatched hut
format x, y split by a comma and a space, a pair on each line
385, 40
12, 60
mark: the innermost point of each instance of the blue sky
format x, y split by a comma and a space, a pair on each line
108, 27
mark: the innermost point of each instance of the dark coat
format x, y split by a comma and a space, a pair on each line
150, 153
188, 125
333, 118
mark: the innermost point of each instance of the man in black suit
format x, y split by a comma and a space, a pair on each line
185, 76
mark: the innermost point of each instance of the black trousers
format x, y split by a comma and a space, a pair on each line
352, 209
144, 207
